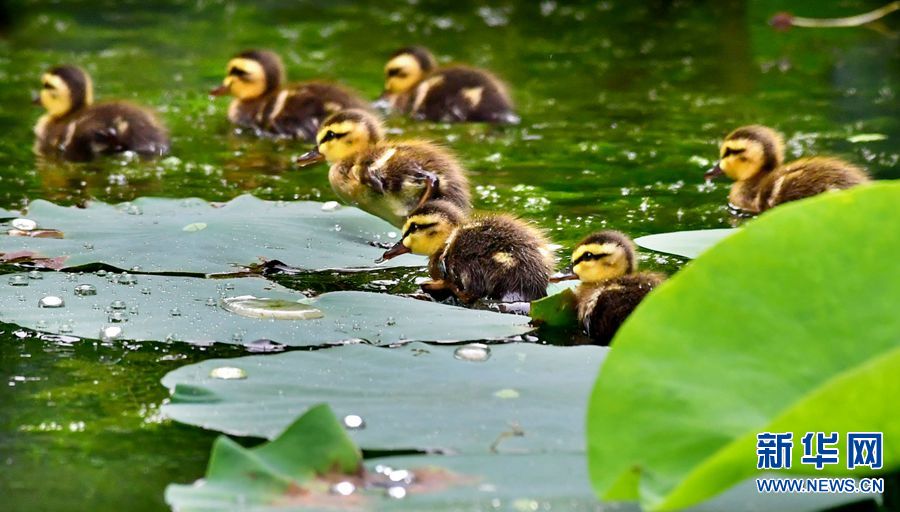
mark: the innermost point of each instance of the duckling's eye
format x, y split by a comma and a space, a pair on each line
732, 151
394, 72
330, 135
48, 85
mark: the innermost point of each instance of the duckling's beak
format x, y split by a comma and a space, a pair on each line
393, 252
309, 158
713, 173
568, 275
221, 90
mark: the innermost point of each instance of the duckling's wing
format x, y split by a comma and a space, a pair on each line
298, 115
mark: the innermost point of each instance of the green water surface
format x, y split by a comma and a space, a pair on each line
623, 104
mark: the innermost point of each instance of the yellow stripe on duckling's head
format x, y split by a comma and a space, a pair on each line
428, 228
603, 256
406, 68
750, 150
246, 78
347, 134
66, 89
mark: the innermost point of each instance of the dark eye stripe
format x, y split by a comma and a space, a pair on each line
330, 135
730, 151
417, 227
48, 85
394, 71
589, 256
237, 72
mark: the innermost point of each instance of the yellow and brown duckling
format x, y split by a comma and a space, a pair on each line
611, 288
76, 129
415, 86
495, 257
753, 156
263, 102
385, 178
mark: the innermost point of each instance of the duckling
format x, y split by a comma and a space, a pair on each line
415, 85
387, 179
611, 288
753, 156
77, 130
256, 80
496, 257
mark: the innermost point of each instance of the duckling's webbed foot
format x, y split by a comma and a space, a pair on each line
438, 290
432, 184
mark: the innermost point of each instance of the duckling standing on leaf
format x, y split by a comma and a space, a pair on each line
263, 101
384, 178
495, 257
610, 288
753, 156
76, 129
415, 85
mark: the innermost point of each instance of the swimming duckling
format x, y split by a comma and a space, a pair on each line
415, 85
496, 257
76, 129
753, 156
610, 288
262, 101
387, 179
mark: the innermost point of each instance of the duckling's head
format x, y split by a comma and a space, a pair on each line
344, 134
748, 151
407, 67
65, 89
602, 256
251, 74
427, 229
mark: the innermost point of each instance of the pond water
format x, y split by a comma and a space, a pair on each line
623, 105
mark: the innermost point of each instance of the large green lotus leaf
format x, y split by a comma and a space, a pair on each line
374, 317
789, 325
313, 457
417, 396
688, 244
193, 236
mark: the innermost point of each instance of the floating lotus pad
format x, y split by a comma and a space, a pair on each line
193, 309
194, 236
313, 465
688, 244
417, 396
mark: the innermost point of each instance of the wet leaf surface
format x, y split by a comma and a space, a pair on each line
149, 307
414, 397
193, 236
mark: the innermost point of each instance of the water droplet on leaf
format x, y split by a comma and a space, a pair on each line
354, 422
18, 280
117, 304
276, 309
85, 290
51, 301
475, 352
24, 224
228, 373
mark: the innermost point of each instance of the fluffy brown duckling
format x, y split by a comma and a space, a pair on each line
414, 85
386, 178
494, 257
611, 288
76, 129
264, 103
753, 156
